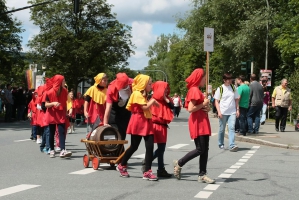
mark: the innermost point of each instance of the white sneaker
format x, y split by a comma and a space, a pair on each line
64, 154
38, 141
57, 149
52, 154
69, 131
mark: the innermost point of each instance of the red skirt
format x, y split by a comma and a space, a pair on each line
139, 125
160, 133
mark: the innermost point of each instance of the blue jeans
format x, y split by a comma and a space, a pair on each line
34, 131
61, 131
264, 113
243, 120
231, 120
159, 153
254, 114
45, 138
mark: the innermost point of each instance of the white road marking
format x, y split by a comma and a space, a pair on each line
211, 187
230, 171
239, 163
84, 171
203, 195
246, 157
178, 146
139, 156
22, 140
15, 189
224, 175
213, 134
220, 180
235, 166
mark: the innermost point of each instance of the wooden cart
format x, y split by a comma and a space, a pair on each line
97, 156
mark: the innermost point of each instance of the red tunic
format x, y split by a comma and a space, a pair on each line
32, 108
73, 109
138, 124
79, 106
199, 123
56, 115
42, 120
160, 131
95, 110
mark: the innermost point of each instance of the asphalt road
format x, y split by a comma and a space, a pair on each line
254, 172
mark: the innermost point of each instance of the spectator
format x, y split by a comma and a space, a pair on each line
20, 103
282, 102
8, 101
256, 104
227, 104
177, 104
266, 100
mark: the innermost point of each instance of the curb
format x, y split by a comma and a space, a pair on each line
263, 142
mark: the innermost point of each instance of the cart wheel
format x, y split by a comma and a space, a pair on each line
85, 161
95, 163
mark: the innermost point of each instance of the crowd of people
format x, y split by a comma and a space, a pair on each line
127, 105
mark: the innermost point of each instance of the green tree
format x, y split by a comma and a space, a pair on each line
10, 47
79, 46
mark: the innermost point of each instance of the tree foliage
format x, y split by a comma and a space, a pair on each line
11, 62
241, 31
79, 46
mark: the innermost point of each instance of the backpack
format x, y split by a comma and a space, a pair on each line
221, 90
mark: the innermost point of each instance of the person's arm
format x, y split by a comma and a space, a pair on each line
273, 98
107, 113
192, 107
149, 104
290, 104
86, 106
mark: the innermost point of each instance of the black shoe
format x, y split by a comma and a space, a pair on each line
282, 130
263, 123
277, 130
163, 173
31, 137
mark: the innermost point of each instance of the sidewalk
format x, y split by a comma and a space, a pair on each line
268, 136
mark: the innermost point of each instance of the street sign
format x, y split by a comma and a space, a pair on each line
209, 39
266, 73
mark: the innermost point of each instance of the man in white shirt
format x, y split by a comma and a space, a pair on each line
227, 104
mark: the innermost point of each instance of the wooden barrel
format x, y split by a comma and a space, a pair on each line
106, 133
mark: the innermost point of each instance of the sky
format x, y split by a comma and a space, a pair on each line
148, 19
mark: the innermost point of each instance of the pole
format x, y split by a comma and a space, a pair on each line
251, 71
207, 73
267, 38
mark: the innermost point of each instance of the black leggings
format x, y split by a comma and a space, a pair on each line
202, 149
149, 148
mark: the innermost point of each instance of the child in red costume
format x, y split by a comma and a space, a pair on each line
140, 125
95, 99
56, 99
71, 111
199, 126
162, 116
79, 107
118, 94
32, 114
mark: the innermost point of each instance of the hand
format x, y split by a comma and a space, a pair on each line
206, 102
273, 105
155, 103
237, 114
86, 115
29, 115
290, 108
206, 109
219, 115
56, 104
